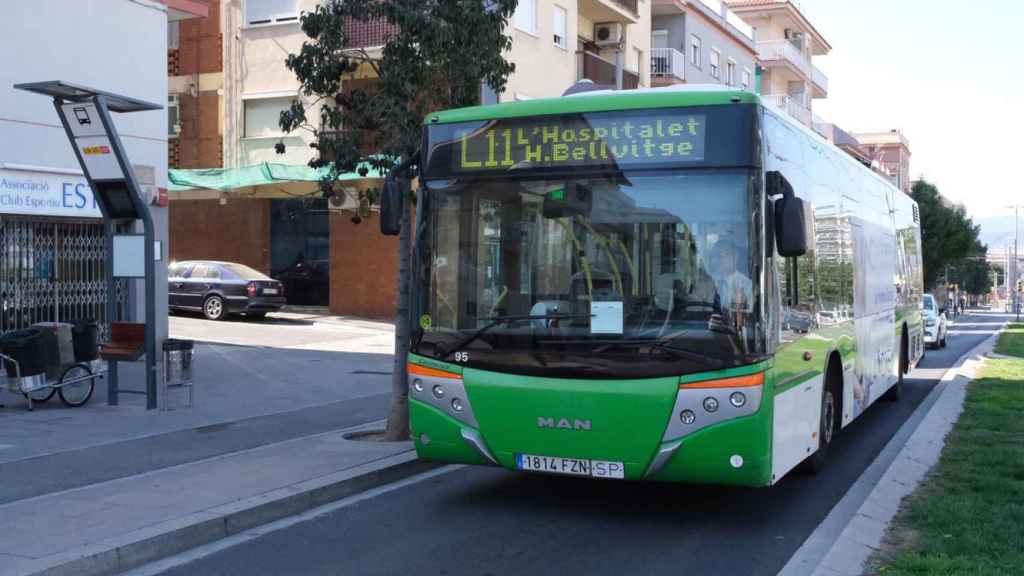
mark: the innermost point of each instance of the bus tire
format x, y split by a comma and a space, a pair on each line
894, 393
828, 423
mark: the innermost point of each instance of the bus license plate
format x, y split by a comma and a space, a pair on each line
570, 466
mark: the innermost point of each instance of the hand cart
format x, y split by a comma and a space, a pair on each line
75, 384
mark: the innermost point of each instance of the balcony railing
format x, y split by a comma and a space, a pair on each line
667, 63
819, 79
783, 50
602, 72
628, 5
368, 34
791, 106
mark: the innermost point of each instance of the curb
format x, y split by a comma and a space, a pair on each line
854, 528
115, 555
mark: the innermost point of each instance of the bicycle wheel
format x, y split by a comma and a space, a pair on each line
78, 393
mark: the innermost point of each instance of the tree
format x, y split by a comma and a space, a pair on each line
948, 235
973, 274
436, 55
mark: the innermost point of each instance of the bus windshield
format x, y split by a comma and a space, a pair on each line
639, 274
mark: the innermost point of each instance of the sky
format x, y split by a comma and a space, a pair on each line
949, 73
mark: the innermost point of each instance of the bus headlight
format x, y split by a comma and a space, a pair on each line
737, 399
417, 385
687, 417
457, 405
438, 391
710, 404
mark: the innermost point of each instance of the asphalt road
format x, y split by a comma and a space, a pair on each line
486, 521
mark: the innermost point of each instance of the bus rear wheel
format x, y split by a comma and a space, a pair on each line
896, 391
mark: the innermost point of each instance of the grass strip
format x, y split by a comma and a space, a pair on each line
967, 517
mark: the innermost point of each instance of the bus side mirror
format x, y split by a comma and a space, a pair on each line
391, 208
790, 220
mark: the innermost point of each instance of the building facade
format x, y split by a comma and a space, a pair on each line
236, 59
52, 241
701, 42
195, 85
557, 42
786, 44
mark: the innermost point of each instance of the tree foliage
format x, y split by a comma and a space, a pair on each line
436, 56
948, 235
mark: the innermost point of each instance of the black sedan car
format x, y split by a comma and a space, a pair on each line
222, 288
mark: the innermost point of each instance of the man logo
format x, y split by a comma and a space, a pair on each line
563, 423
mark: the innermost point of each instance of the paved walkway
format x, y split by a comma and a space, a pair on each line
232, 383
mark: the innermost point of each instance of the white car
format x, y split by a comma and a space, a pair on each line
935, 323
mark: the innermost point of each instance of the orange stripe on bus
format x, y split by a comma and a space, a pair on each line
424, 371
735, 382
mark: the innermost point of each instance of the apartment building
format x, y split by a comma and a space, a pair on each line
786, 43
701, 42
890, 149
886, 152
557, 42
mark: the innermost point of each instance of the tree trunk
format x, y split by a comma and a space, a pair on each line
398, 416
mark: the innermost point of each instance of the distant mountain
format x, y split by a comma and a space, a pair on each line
998, 231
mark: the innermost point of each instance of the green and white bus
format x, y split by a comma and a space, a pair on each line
676, 284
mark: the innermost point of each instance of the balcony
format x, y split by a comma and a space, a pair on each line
667, 66
367, 34
783, 51
602, 72
819, 82
625, 11
791, 106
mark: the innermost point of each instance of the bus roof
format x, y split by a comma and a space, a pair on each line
600, 101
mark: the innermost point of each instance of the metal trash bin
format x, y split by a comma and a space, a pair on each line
178, 367
85, 340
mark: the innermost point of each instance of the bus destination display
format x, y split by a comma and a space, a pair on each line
582, 141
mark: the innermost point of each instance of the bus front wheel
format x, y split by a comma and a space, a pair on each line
827, 427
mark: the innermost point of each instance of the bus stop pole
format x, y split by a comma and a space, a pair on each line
149, 256
112, 380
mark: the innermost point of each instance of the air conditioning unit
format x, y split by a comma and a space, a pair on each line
608, 33
344, 199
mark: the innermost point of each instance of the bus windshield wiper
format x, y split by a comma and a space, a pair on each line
668, 347
499, 320
688, 354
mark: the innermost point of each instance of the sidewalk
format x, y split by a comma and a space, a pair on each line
111, 526
100, 489
232, 383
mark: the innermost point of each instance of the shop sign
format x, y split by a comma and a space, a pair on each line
42, 194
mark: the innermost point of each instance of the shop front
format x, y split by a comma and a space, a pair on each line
52, 250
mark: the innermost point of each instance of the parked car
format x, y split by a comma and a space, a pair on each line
935, 323
307, 283
219, 289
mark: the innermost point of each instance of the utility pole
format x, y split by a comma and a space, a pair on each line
1016, 242
1014, 271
